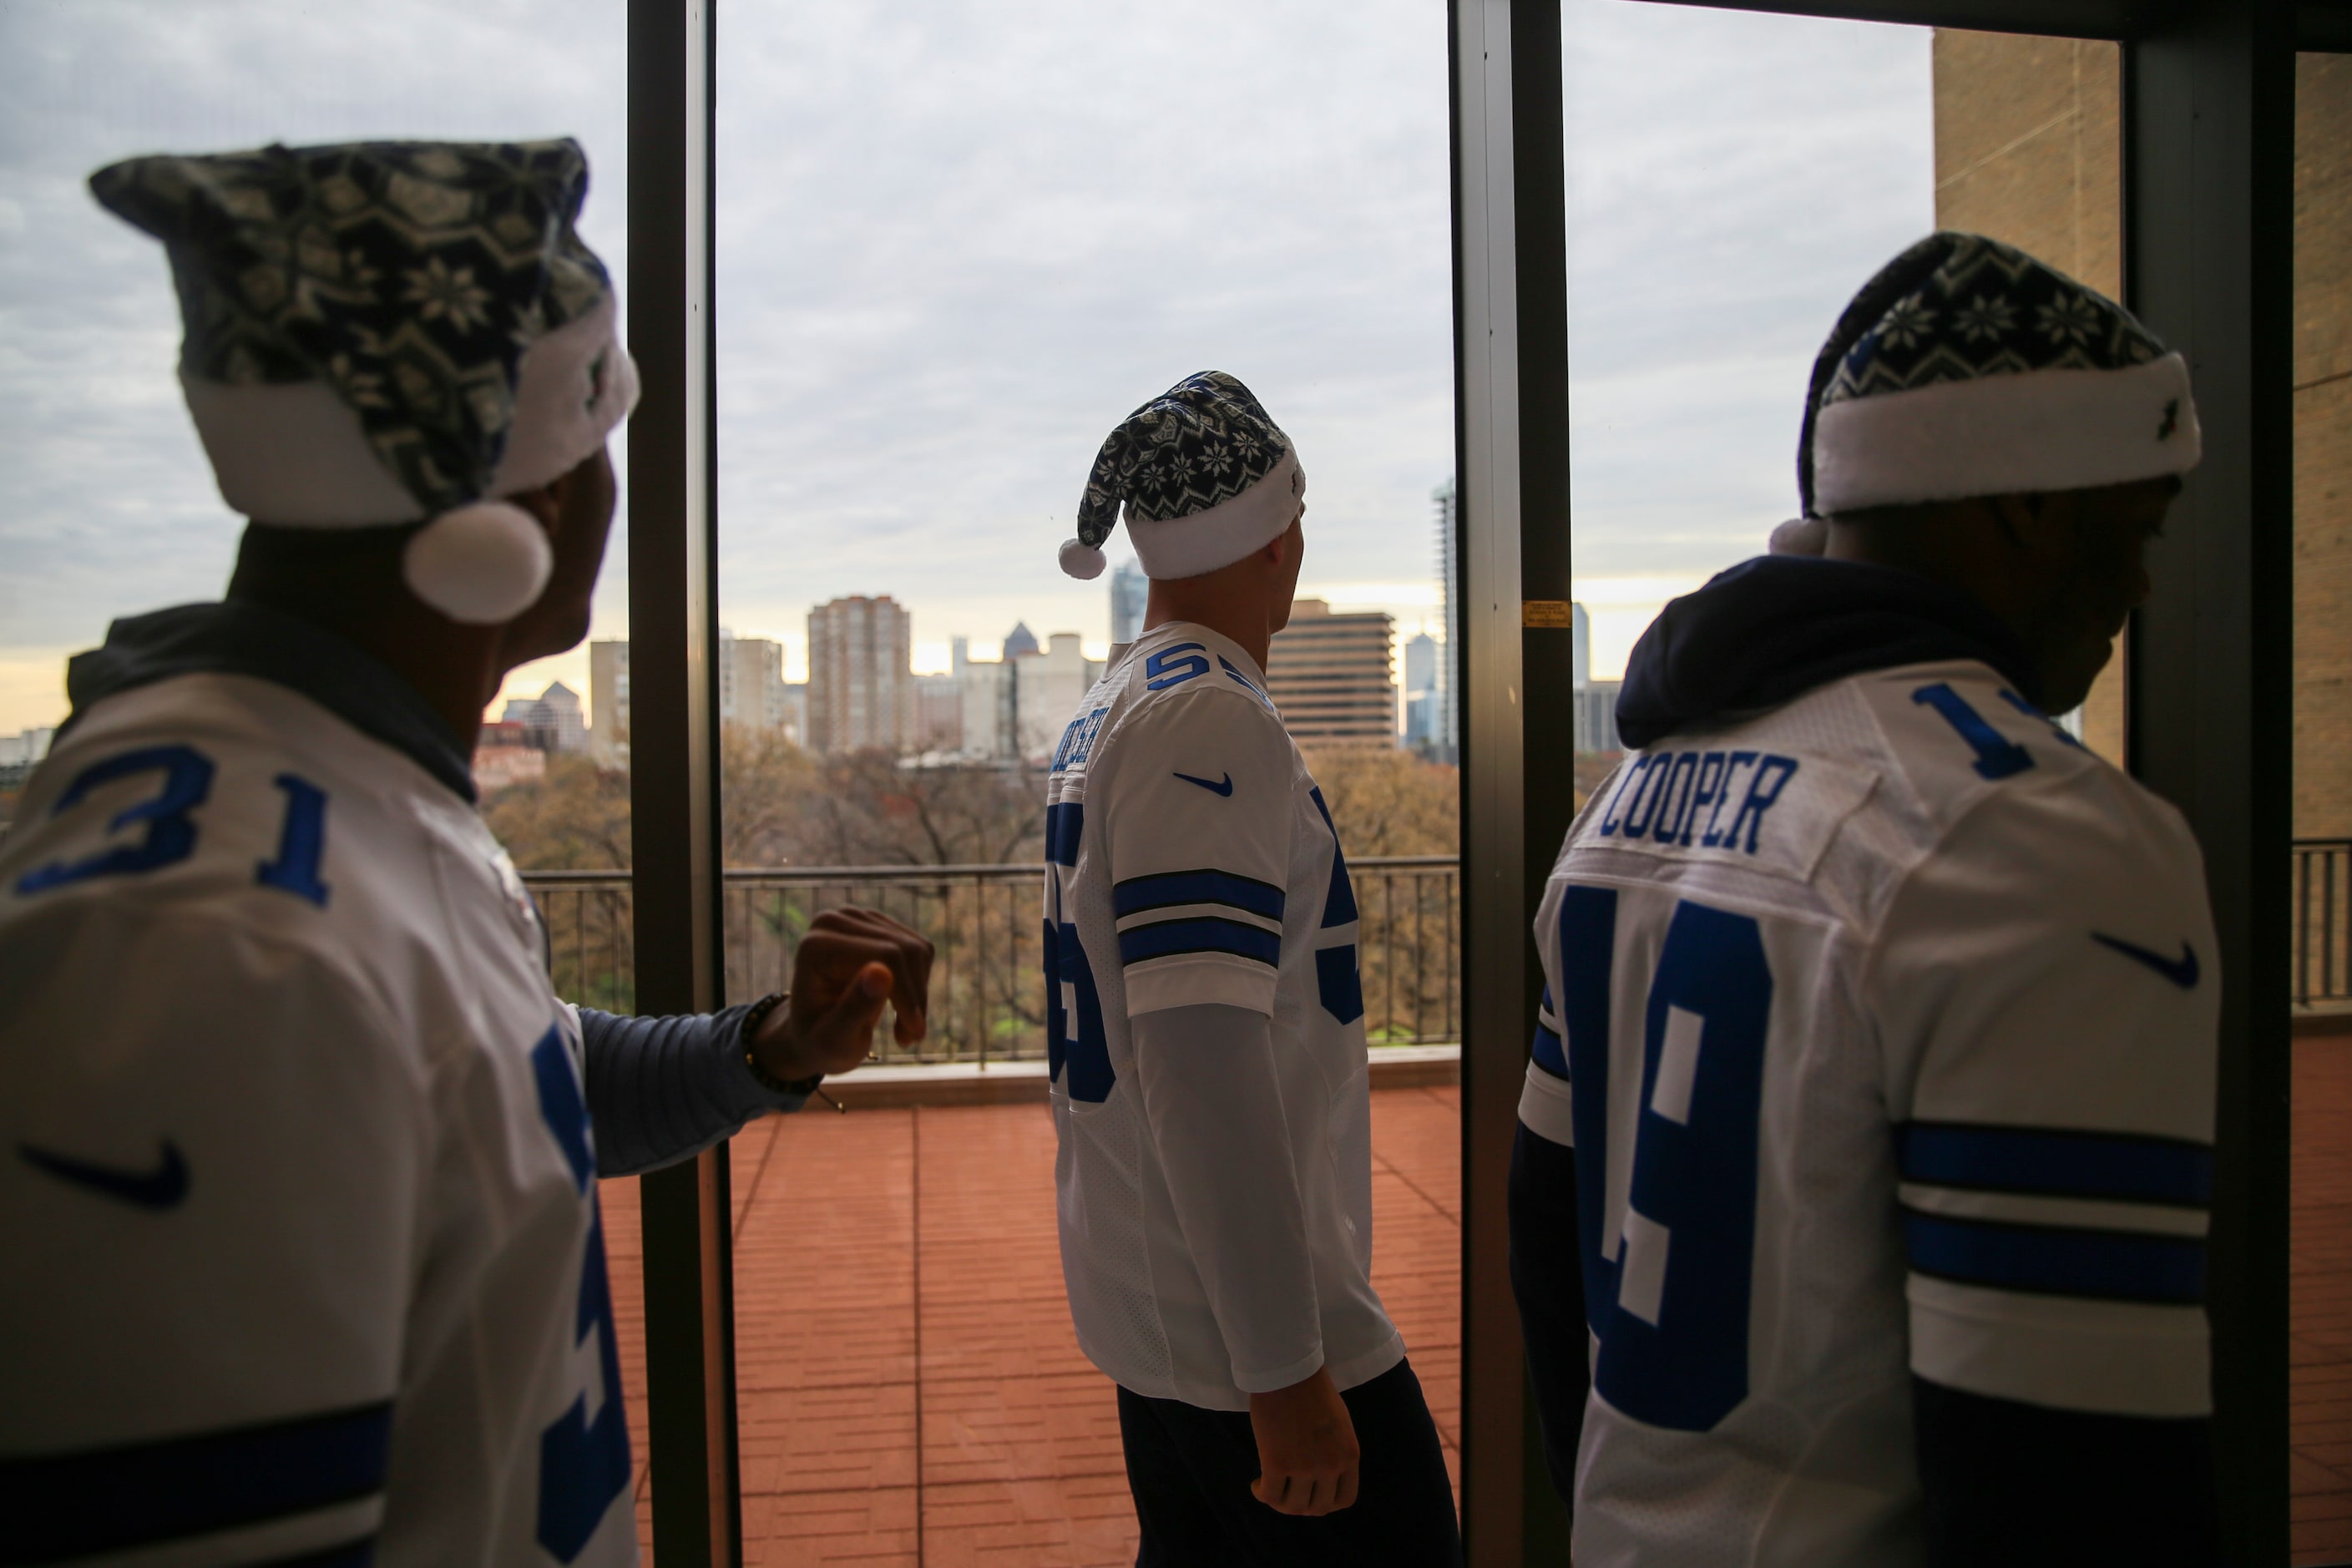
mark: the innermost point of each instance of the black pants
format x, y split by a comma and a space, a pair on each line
1190, 1472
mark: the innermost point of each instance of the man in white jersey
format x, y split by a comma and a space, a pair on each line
298, 1147
1859, 1201
1205, 1023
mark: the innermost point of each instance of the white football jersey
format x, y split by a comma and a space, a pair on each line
1884, 1037
1191, 860
295, 1165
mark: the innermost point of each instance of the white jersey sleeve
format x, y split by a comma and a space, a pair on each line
1212, 1100
215, 1202
1197, 827
2045, 984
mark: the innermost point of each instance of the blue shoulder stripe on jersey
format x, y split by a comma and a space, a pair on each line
2124, 1167
2111, 1265
1203, 933
1138, 894
1062, 824
110, 1500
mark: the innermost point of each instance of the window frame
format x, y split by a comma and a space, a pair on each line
2208, 143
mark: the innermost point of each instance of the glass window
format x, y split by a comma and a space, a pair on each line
2320, 1269
1732, 179
954, 250
1697, 305
106, 505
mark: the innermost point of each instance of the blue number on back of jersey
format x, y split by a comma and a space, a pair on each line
584, 1465
1997, 756
171, 835
1668, 1298
1164, 669
301, 842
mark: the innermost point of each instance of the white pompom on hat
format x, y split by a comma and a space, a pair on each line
481, 564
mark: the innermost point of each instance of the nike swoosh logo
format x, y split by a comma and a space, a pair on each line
2182, 971
1224, 786
164, 1187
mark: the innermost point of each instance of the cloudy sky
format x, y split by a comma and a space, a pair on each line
959, 240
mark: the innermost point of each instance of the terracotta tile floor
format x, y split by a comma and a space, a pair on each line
898, 1293
2319, 1324
849, 1366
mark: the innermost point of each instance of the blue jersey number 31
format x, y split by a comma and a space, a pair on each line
1668, 1296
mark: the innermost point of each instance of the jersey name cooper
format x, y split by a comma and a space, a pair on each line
1191, 860
1884, 1048
299, 1185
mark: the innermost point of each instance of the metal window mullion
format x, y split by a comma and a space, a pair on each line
674, 777
1488, 372
2209, 139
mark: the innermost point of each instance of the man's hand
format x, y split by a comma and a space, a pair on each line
1306, 1454
851, 961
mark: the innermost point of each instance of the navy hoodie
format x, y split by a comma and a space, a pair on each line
1769, 630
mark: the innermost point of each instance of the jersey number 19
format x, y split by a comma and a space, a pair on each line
1668, 1297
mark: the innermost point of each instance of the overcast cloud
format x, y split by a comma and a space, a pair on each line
959, 240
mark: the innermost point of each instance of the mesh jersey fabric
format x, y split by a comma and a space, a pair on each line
1190, 860
363, 1286
1882, 1027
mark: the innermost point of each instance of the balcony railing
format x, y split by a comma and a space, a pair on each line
2322, 933
988, 988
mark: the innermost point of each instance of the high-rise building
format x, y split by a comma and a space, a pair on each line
751, 681
861, 683
1596, 716
1447, 732
938, 713
1581, 646
552, 721
1332, 677
1130, 590
1422, 664
608, 703
1047, 687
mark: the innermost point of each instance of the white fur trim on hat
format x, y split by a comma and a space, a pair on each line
482, 564
2003, 434
1204, 540
293, 453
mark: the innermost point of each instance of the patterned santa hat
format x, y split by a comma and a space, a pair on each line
1206, 475
388, 333
1968, 368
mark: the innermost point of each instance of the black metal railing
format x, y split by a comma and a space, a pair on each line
988, 991
2323, 933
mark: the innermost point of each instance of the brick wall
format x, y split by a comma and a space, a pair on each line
2323, 447
2027, 152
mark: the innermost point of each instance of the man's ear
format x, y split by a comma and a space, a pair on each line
545, 504
2036, 524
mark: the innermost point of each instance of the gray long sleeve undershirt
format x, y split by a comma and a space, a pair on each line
663, 1090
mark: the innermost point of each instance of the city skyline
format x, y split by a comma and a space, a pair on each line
904, 415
